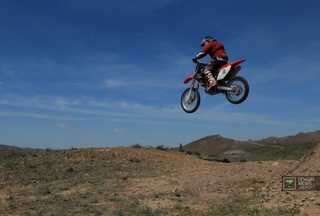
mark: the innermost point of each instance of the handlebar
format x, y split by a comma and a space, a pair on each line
194, 60
197, 62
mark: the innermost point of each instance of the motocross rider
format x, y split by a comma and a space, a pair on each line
218, 56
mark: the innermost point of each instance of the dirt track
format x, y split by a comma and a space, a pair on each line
162, 179
210, 180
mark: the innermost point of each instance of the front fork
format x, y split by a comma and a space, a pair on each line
194, 85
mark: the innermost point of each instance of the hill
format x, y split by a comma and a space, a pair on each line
298, 138
7, 150
217, 147
139, 181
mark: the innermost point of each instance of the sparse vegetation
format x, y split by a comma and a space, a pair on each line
136, 146
196, 153
145, 181
161, 147
252, 152
65, 182
242, 205
181, 148
96, 182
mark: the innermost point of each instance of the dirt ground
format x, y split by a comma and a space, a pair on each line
196, 182
210, 180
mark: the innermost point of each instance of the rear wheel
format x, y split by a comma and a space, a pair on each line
240, 90
190, 100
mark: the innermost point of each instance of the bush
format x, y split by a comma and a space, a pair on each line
160, 147
136, 146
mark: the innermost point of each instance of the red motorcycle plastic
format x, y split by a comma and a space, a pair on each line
235, 88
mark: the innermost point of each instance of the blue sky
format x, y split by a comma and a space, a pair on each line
110, 73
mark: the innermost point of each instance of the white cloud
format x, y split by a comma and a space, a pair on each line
119, 131
66, 126
90, 109
111, 83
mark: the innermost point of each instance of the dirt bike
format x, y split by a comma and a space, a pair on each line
235, 88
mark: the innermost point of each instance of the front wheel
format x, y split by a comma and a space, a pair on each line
240, 90
190, 100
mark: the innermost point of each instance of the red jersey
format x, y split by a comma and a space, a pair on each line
214, 49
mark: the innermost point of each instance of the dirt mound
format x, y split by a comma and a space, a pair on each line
308, 165
108, 179
308, 202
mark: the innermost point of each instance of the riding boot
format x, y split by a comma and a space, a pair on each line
211, 81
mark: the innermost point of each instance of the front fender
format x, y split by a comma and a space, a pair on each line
188, 79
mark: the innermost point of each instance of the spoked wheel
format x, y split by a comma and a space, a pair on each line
240, 90
190, 100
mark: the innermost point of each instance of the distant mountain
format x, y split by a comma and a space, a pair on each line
300, 137
9, 150
271, 148
212, 144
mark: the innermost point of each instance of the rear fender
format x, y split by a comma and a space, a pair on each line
188, 79
229, 70
235, 63
232, 64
